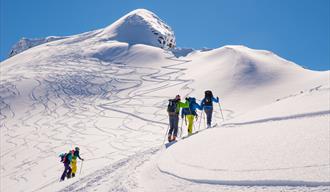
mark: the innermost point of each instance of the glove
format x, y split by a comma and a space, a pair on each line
218, 99
82, 159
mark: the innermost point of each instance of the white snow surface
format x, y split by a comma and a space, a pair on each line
106, 91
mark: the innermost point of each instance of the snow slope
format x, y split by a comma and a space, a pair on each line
106, 91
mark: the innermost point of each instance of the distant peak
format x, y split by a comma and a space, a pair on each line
140, 12
140, 26
25, 43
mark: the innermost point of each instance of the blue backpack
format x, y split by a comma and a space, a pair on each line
190, 110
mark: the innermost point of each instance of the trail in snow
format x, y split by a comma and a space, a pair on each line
71, 104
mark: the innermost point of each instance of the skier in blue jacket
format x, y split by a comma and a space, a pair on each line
207, 105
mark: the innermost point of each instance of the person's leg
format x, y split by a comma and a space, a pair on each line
208, 113
69, 172
190, 123
176, 126
66, 166
74, 167
210, 116
172, 124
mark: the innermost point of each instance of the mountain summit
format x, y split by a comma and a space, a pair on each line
141, 27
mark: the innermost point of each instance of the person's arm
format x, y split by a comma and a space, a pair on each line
184, 105
198, 106
78, 155
216, 100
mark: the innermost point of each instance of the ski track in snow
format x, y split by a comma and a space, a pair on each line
116, 177
71, 104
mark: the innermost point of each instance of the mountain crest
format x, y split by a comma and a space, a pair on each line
141, 27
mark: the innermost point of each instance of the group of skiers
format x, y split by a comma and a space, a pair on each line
189, 112
70, 163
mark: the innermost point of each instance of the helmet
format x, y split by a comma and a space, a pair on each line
77, 148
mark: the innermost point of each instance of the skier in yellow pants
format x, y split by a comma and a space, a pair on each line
190, 119
190, 113
74, 161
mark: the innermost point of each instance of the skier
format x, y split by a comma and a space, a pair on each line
66, 159
74, 161
207, 105
173, 110
190, 113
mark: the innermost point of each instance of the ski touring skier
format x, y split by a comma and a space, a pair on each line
207, 105
66, 159
173, 110
74, 161
190, 113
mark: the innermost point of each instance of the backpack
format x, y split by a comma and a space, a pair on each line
208, 98
190, 110
63, 157
171, 107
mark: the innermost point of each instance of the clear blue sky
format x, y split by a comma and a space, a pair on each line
298, 30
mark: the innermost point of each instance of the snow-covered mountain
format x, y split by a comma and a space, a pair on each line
137, 27
140, 27
25, 43
106, 91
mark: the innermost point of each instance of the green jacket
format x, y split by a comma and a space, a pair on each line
181, 105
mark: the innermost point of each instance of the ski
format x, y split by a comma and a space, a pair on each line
169, 144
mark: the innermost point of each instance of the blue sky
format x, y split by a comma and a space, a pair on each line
297, 30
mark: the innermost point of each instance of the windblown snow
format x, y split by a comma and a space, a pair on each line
106, 91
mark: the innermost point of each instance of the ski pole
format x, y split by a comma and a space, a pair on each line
204, 119
168, 127
194, 124
221, 111
81, 166
181, 127
200, 120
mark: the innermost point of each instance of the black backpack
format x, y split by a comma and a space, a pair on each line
171, 107
208, 98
